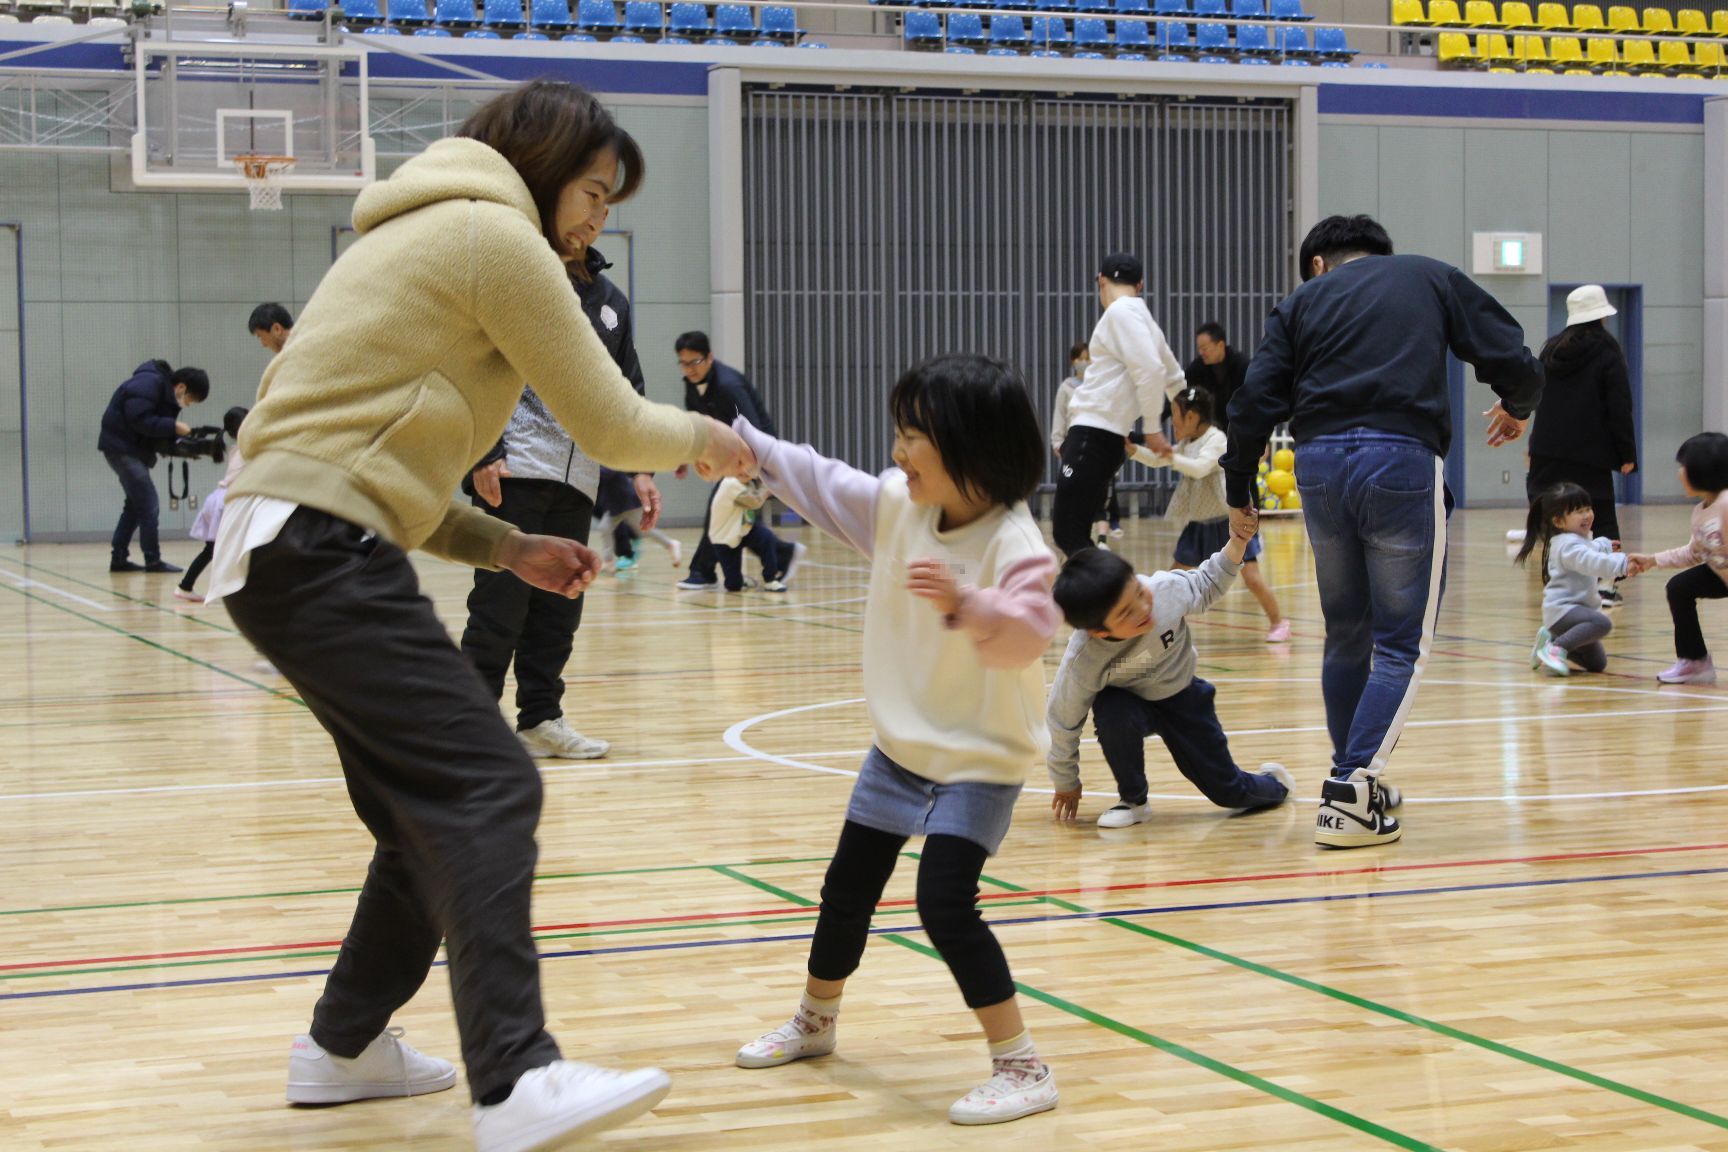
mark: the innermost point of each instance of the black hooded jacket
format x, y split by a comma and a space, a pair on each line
1586, 411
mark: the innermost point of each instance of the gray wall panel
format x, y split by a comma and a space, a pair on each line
1590, 206
1666, 229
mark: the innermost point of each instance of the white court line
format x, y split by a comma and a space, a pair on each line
24, 583
734, 737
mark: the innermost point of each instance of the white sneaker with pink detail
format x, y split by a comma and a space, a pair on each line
1011, 1093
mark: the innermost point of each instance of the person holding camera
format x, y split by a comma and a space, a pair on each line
143, 413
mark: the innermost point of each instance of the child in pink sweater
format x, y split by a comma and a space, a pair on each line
956, 623
1704, 474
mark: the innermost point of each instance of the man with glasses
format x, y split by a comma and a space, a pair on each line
717, 390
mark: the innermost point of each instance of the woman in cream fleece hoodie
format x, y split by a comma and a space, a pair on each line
404, 368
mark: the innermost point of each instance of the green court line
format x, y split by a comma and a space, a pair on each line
1170, 1047
1399, 1014
353, 891
160, 647
539, 937
191, 618
764, 886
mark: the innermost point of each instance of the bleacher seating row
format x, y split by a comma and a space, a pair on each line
1091, 37
1517, 16
591, 20
1279, 10
1592, 56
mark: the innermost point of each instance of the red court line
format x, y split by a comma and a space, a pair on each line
1018, 894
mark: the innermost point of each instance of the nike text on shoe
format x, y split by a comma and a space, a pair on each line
387, 1067
1352, 814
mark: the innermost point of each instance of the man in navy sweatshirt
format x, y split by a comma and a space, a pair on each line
143, 412
1355, 359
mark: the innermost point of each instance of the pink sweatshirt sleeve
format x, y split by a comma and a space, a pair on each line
1682, 557
834, 496
1012, 623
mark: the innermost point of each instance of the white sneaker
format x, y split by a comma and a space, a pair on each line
1281, 774
1553, 659
1353, 813
1515, 536
786, 1044
387, 1067
1543, 639
1004, 1097
1125, 815
774, 586
798, 553
188, 595
556, 740
563, 1101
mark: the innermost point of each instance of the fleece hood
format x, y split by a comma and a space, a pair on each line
451, 169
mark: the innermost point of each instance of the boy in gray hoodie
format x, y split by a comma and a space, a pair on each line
1131, 664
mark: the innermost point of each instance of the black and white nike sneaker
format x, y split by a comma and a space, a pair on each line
1353, 813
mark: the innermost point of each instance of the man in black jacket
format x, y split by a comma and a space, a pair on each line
1355, 359
1216, 367
143, 412
721, 391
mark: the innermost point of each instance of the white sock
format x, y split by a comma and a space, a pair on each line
815, 1014
1017, 1055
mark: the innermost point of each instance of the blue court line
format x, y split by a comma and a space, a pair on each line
1116, 914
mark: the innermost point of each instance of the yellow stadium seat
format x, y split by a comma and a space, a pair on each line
1710, 59
1639, 56
1568, 53
1623, 19
1587, 18
1691, 22
1529, 49
1493, 51
1673, 56
1602, 54
1515, 15
1454, 50
1481, 14
1552, 17
1658, 22
1409, 13
1719, 23
1445, 14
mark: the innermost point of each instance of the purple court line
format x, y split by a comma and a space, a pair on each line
1115, 914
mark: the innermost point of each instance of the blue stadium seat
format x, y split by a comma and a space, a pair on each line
689, 19
1174, 42
409, 13
1008, 32
549, 15
1133, 8
1289, 10
502, 15
1334, 64
1253, 40
766, 44
735, 22
1133, 37
1051, 32
644, 18
1092, 6
1014, 5
597, 17
1330, 43
1046, 54
482, 34
781, 24
1001, 52
1248, 9
306, 9
361, 13
959, 50
1175, 8
923, 30
1091, 34
816, 44
1257, 61
380, 30
457, 15
677, 41
1292, 43
627, 38
1054, 5
1377, 64
1089, 56
966, 28
444, 32
531, 36
1212, 40
1208, 8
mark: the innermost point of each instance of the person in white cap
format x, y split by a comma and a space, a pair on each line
1584, 432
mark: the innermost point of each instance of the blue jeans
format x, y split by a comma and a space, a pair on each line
1376, 509
1188, 724
140, 511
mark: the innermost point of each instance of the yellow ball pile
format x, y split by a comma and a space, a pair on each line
1277, 482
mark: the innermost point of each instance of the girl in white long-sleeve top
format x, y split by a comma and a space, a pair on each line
1573, 623
958, 617
1198, 502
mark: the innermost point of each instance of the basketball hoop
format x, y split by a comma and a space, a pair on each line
264, 179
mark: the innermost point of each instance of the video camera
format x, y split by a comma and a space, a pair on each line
204, 441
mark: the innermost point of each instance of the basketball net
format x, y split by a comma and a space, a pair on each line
264, 179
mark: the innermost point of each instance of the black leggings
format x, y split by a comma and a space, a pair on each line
948, 872
196, 568
1684, 592
1091, 457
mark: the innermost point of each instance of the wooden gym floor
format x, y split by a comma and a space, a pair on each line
1537, 966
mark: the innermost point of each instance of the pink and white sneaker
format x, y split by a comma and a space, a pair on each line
1008, 1095
1280, 633
793, 1040
187, 595
1689, 672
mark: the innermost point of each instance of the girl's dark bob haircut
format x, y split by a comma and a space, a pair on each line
1705, 458
551, 132
976, 411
